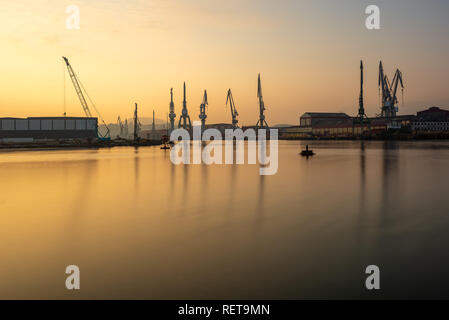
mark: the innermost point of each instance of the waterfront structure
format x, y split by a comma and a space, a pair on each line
389, 92
310, 119
261, 123
234, 113
203, 114
172, 114
220, 127
433, 114
362, 120
184, 119
153, 134
341, 125
136, 125
41, 129
430, 126
432, 119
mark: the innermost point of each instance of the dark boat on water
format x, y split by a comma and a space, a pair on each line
307, 152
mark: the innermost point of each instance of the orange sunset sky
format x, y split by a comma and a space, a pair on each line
307, 52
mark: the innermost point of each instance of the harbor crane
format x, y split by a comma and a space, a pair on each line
234, 112
261, 123
123, 127
184, 118
361, 106
79, 88
203, 114
362, 119
172, 114
136, 125
389, 92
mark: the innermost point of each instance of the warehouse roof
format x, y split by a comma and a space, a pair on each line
326, 114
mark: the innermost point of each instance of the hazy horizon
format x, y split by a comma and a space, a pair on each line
307, 52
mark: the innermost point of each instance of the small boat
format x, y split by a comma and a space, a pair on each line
165, 147
307, 152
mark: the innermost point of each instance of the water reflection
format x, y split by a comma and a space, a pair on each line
260, 208
85, 172
390, 190
362, 191
350, 191
136, 169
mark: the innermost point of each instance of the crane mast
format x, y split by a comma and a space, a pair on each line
234, 112
136, 125
203, 114
126, 129
78, 90
121, 128
361, 106
184, 118
172, 114
261, 123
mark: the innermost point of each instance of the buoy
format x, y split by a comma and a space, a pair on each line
307, 152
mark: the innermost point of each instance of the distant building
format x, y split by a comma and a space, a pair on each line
430, 125
153, 134
220, 127
41, 129
433, 114
311, 119
341, 125
432, 119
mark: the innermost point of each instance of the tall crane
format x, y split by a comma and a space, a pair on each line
121, 128
136, 125
389, 92
79, 88
361, 106
234, 112
153, 126
125, 133
362, 119
261, 123
184, 118
172, 115
203, 114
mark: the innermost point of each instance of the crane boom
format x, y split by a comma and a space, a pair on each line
396, 80
261, 123
234, 112
389, 91
78, 90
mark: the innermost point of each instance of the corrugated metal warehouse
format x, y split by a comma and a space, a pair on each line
16, 130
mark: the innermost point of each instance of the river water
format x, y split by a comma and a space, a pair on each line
140, 227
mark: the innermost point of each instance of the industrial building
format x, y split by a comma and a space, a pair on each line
332, 125
42, 129
341, 125
432, 119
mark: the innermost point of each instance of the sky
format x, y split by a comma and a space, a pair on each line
307, 52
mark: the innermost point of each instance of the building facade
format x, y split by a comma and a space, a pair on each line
432, 119
35, 129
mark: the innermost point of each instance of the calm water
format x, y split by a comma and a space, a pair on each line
139, 227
